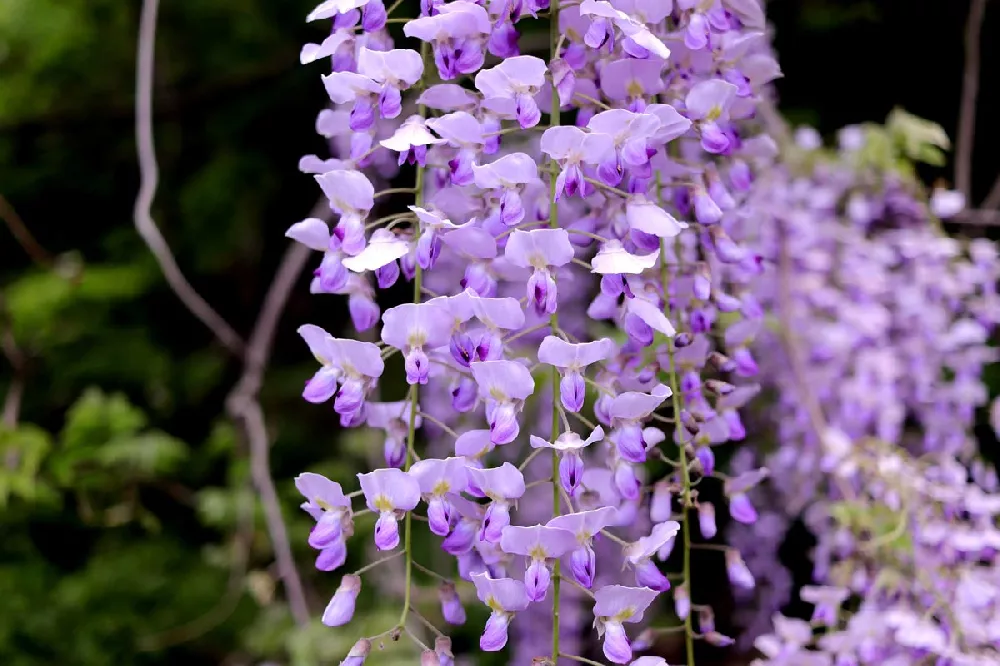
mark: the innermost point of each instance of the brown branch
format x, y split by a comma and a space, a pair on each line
242, 403
15, 392
244, 407
817, 420
979, 217
149, 176
992, 200
970, 91
23, 235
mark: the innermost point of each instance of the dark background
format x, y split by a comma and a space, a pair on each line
125, 509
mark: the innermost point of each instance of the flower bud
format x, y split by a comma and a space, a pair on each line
358, 653
736, 569
706, 519
340, 610
660, 507
451, 604
682, 601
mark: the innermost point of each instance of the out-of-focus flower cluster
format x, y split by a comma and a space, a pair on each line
884, 324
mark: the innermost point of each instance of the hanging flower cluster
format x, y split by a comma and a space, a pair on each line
886, 324
601, 245
581, 308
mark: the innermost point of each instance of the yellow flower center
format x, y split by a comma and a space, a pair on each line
382, 503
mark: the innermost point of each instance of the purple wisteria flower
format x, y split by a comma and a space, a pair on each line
510, 88
504, 597
389, 492
627, 411
415, 328
457, 31
439, 480
615, 605
541, 545
504, 386
540, 250
507, 177
394, 419
395, 70
502, 485
572, 361
569, 446
584, 525
331, 509
348, 370
640, 553
352, 196
574, 148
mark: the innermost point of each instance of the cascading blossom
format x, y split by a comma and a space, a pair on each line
599, 239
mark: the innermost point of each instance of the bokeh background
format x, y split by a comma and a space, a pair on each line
129, 529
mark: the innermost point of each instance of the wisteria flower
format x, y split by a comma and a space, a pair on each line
394, 419
389, 492
569, 447
352, 196
509, 175
639, 42
411, 140
572, 361
396, 70
352, 364
540, 250
383, 248
632, 134
414, 328
584, 525
331, 509
504, 597
573, 148
614, 261
439, 479
540, 544
640, 553
504, 385
708, 102
513, 84
615, 605
464, 132
457, 34
315, 234
501, 485
628, 410
645, 216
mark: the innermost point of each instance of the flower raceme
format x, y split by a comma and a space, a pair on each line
574, 246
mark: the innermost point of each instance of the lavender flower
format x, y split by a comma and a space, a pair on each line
389, 492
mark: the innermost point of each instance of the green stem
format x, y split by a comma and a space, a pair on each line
685, 474
411, 434
582, 660
554, 121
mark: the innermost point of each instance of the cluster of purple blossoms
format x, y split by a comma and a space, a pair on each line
595, 236
648, 360
886, 327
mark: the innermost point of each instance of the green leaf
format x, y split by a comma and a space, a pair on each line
149, 454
